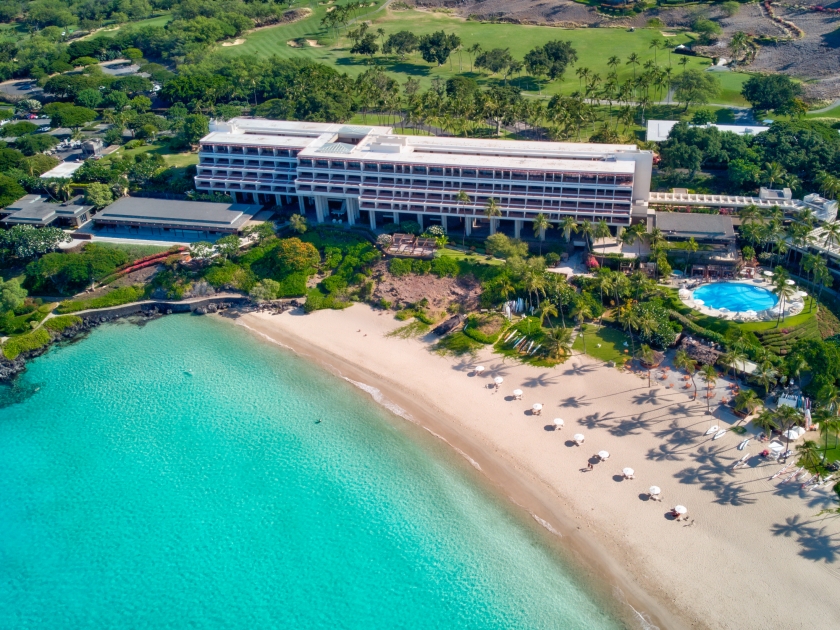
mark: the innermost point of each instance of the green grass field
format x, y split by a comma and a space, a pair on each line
594, 47
611, 341
176, 160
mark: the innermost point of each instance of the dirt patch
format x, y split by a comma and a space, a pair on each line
440, 292
235, 42
314, 43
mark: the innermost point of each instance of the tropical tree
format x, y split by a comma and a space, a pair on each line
710, 376
747, 401
691, 248
558, 342
587, 230
569, 225
581, 312
298, 223
462, 197
829, 425
765, 374
783, 289
682, 361
787, 418
540, 225
546, 309
647, 356
808, 454
491, 211
766, 421
602, 231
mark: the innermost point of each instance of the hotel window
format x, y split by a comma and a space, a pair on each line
435, 170
419, 170
322, 164
370, 166
306, 162
468, 172
386, 168
448, 172
354, 166
485, 174
337, 165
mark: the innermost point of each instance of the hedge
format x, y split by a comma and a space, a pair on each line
62, 322
472, 332
30, 341
117, 297
698, 330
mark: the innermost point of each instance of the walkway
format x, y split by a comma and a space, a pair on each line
729, 201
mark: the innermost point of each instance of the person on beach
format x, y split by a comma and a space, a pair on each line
590, 466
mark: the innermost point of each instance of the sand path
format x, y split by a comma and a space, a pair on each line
753, 554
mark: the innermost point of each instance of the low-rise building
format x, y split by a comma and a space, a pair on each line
42, 211
659, 130
190, 220
706, 229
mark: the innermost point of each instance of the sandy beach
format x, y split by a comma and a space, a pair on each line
752, 553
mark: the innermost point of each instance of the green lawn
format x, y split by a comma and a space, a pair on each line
158, 20
611, 341
831, 113
730, 88
594, 46
451, 253
176, 160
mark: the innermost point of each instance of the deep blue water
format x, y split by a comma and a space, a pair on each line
173, 476
736, 296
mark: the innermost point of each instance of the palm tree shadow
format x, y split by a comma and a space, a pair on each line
543, 380
575, 402
594, 420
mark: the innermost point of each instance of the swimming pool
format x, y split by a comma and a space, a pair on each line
735, 296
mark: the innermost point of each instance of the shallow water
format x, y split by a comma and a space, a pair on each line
173, 475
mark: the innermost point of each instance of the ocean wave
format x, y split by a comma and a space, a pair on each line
644, 621
547, 525
377, 395
266, 337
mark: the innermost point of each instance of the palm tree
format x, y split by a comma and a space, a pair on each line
766, 421
558, 342
682, 361
831, 232
647, 356
732, 358
739, 43
710, 376
773, 172
766, 375
546, 309
829, 425
602, 231
491, 211
783, 290
633, 60
809, 454
628, 318
581, 312
569, 225
462, 197
540, 225
747, 401
587, 230
787, 418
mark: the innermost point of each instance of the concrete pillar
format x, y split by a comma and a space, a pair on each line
397, 218
372, 219
288, 199
301, 206
352, 210
492, 226
542, 234
321, 208
278, 199
517, 227
420, 219
468, 225
443, 223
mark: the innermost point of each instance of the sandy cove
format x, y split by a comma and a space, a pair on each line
753, 553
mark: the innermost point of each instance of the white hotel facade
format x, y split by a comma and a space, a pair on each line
372, 175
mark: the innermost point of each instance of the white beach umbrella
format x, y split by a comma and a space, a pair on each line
558, 422
479, 369
790, 283
654, 491
628, 472
777, 447
498, 380
699, 302
517, 392
769, 274
578, 437
681, 509
537, 407
603, 454
800, 294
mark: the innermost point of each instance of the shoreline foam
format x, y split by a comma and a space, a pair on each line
663, 574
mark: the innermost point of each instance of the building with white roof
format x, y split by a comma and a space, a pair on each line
659, 130
370, 173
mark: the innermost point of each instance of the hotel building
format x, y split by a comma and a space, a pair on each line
372, 175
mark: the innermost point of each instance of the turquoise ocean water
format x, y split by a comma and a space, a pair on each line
173, 476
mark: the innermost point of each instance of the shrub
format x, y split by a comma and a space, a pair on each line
62, 322
664, 332
481, 328
457, 343
400, 266
445, 266
25, 343
316, 301
117, 297
697, 329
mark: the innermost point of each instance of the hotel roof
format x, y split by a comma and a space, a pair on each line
714, 227
659, 130
41, 211
189, 215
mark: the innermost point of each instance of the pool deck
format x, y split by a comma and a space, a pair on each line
792, 307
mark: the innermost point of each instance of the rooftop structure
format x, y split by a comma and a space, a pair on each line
42, 211
348, 171
659, 130
63, 170
162, 216
824, 209
704, 228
